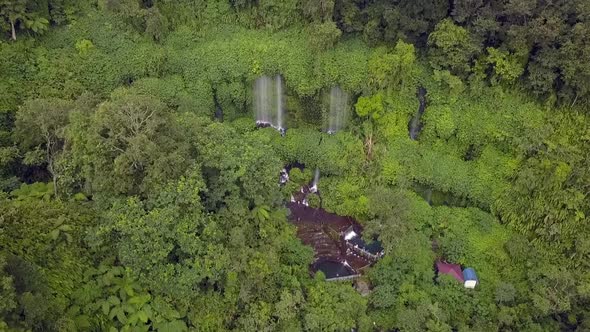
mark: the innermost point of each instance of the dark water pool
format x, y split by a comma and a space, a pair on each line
332, 269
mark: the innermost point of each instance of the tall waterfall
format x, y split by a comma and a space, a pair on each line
269, 104
316, 179
263, 100
338, 112
280, 107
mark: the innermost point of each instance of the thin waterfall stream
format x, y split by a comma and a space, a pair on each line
338, 110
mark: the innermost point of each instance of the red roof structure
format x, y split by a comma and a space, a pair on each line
454, 270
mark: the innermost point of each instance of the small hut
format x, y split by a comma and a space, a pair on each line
470, 278
454, 270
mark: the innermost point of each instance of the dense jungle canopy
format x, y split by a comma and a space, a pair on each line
138, 194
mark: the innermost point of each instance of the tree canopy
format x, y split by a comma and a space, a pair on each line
138, 194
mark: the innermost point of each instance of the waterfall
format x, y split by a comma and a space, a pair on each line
338, 112
262, 100
269, 102
316, 179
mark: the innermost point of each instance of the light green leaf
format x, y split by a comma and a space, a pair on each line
113, 313
82, 322
142, 316
80, 197
121, 316
129, 290
105, 308
140, 300
114, 300
172, 326
65, 228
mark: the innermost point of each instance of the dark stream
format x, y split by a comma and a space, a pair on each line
218, 110
339, 250
415, 125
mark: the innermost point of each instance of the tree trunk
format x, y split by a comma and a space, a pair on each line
50, 161
369, 146
51, 170
55, 186
576, 99
13, 30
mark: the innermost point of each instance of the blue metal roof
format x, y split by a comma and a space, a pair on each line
469, 274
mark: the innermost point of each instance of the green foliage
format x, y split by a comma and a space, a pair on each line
386, 21
270, 14
331, 307
345, 196
399, 108
323, 35
156, 24
84, 46
370, 106
110, 298
332, 154
443, 125
41, 122
450, 83
37, 24
21, 14
6, 290
170, 219
314, 201
40, 126
506, 66
392, 69
344, 65
45, 257
133, 141
17, 74
318, 10
452, 47
170, 90
37, 190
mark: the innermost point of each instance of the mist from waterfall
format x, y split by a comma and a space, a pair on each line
338, 111
269, 102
